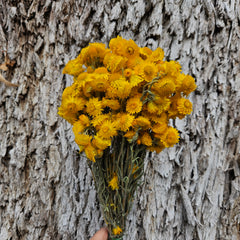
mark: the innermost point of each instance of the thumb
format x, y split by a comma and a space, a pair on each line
102, 234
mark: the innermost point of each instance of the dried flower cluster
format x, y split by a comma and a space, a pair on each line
124, 90
121, 101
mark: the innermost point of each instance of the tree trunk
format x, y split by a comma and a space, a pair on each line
190, 191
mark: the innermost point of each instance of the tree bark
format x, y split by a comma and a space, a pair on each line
190, 191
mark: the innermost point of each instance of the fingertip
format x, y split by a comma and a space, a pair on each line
102, 234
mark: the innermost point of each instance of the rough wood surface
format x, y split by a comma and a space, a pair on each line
190, 191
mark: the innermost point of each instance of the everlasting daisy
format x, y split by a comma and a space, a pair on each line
134, 105
93, 107
84, 120
73, 67
163, 103
171, 137
142, 122
123, 121
145, 52
117, 230
156, 56
78, 127
107, 130
101, 143
100, 83
91, 152
114, 63
117, 45
131, 49
113, 183
99, 120
160, 128
188, 85
82, 139
146, 139
122, 88
184, 106
164, 87
111, 103
147, 70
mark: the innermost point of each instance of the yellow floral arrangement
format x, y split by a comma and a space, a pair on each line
120, 104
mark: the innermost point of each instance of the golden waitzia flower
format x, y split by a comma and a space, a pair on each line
120, 104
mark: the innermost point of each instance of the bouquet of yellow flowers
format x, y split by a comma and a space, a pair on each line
120, 104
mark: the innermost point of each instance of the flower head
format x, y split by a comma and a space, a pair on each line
134, 105
113, 183
147, 70
117, 230
171, 137
184, 106
122, 88
94, 107
73, 67
107, 130
123, 121
91, 152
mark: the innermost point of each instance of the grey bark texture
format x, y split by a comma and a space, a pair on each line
191, 191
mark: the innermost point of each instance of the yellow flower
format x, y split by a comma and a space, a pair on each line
73, 67
107, 130
162, 118
99, 120
114, 63
164, 87
82, 139
122, 88
113, 183
188, 85
163, 103
84, 120
111, 103
152, 107
132, 62
173, 111
81, 79
157, 56
117, 230
123, 121
70, 107
171, 137
142, 122
87, 89
160, 128
117, 45
131, 49
145, 52
157, 149
93, 55
146, 139
130, 134
172, 68
100, 83
93, 107
135, 80
147, 70
184, 106
91, 152
134, 105
101, 143
78, 127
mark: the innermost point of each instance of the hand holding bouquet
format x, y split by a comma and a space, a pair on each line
120, 104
